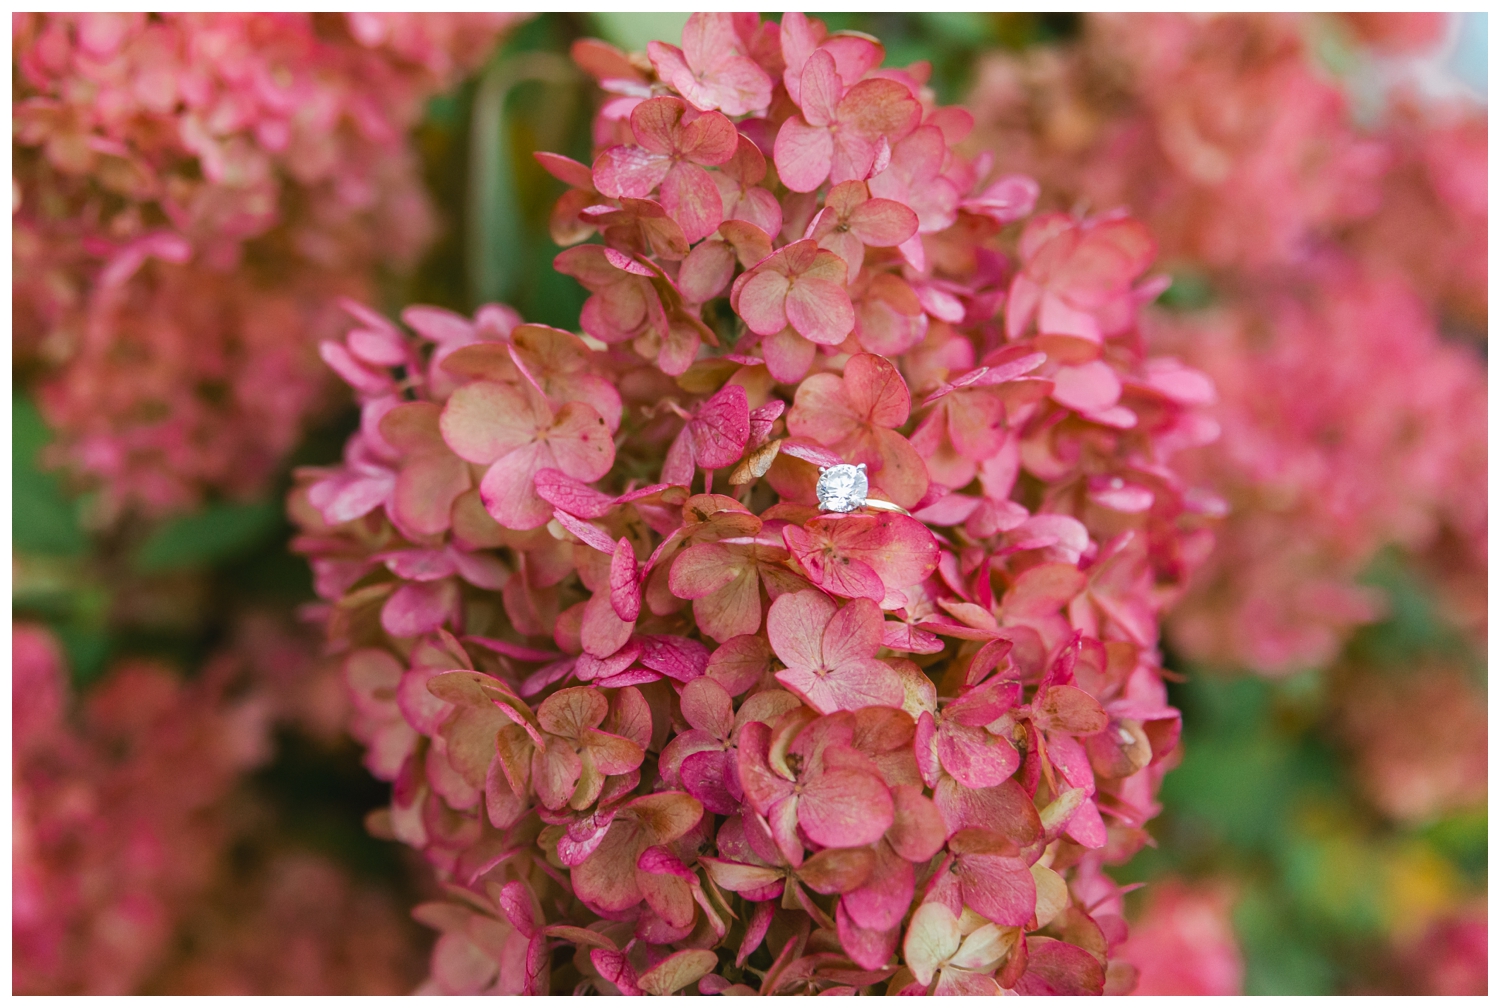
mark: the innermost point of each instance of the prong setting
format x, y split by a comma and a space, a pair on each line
843, 488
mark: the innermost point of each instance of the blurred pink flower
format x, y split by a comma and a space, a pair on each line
194, 190
1184, 944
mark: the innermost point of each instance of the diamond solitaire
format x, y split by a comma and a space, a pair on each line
843, 488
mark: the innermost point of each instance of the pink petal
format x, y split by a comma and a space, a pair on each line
624, 585
918, 832
706, 271
845, 808
690, 196
844, 575
709, 140
820, 310
795, 627
882, 902
788, 355
704, 776
507, 492
876, 390
426, 487
565, 169
877, 107
863, 682
804, 154
418, 564
1088, 387
868, 948
854, 55
591, 534
721, 427
1058, 968
581, 443
821, 89
657, 124
883, 222
762, 302
739, 663
905, 637
701, 570
604, 632
415, 609
352, 371
852, 633
682, 658
763, 787
1009, 198
974, 757
570, 495
1000, 888
758, 207
629, 171
708, 706
483, 421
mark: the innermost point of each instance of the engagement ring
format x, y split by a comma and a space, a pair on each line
845, 488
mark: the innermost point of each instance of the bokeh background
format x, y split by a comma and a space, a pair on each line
192, 192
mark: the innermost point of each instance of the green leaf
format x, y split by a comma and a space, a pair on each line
217, 533
497, 239
87, 648
43, 518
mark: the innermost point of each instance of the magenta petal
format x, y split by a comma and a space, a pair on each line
974, 757
870, 949
573, 496
704, 777
905, 637
845, 808
925, 745
630, 677
604, 632
590, 533
885, 897
630, 171
624, 586
681, 658
1001, 888
1086, 827
721, 427
419, 608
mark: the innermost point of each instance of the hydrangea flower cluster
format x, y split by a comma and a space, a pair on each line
639, 697
119, 820
1183, 943
191, 191
133, 826
1314, 233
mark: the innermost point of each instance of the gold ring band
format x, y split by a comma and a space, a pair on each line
880, 505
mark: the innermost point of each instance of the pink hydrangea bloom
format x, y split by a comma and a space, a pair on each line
194, 190
119, 819
1340, 255
1184, 943
636, 694
132, 822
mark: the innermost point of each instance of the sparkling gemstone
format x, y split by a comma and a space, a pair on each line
843, 488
